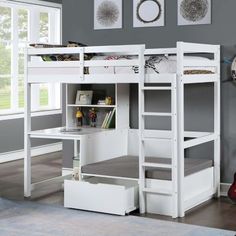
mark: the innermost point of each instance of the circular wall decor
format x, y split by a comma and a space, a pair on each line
107, 13
194, 10
148, 11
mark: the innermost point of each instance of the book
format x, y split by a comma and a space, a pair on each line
111, 119
101, 102
106, 119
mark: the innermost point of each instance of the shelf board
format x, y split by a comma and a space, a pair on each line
92, 105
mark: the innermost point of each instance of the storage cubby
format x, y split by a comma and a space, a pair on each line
119, 94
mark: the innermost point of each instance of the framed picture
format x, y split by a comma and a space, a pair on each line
194, 12
84, 97
107, 14
148, 13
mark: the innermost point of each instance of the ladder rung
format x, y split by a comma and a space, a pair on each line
156, 114
158, 191
156, 88
157, 165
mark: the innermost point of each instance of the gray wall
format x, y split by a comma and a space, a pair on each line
12, 131
78, 26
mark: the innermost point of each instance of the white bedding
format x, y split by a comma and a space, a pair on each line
156, 64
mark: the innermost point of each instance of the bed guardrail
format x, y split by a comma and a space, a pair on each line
130, 49
197, 47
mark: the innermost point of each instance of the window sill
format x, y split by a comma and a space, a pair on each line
33, 114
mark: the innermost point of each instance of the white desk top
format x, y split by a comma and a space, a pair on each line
60, 133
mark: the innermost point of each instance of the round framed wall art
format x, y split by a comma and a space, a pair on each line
148, 13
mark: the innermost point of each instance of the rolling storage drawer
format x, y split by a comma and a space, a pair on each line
102, 195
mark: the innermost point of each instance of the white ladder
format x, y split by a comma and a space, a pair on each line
143, 164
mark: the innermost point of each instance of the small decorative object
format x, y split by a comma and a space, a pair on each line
194, 12
232, 190
148, 13
101, 102
108, 100
93, 117
107, 14
75, 174
84, 97
79, 116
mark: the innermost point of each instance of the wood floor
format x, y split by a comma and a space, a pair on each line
215, 213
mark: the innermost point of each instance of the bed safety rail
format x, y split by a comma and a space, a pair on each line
161, 51
72, 70
130, 49
211, 63
197, 47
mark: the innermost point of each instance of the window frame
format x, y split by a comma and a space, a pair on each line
32, 6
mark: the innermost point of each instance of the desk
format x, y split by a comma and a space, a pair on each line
56, 133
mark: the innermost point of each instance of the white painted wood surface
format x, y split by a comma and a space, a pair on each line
109, 196
180, 138
122, 106
198, 188
163, 197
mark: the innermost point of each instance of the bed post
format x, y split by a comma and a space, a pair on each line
180, 117
174, 152
27, 129
217, 125
142, 194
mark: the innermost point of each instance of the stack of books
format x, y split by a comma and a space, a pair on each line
101, 102
109, 120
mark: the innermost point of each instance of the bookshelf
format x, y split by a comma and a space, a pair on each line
92, 105
119, 107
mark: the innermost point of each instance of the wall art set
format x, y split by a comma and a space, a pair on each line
150, 13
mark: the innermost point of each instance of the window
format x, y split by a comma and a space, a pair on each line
21, 24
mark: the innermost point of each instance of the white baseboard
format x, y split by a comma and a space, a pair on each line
35, 151
224, 187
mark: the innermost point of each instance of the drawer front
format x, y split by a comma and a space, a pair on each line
106, 198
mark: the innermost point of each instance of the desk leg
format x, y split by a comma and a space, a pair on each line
82, 148
77, 153
27, 142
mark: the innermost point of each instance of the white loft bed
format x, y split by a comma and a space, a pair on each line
115, 193
69, 72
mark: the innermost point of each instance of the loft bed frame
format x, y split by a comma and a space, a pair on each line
117, 193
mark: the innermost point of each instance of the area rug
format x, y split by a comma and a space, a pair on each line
34, 219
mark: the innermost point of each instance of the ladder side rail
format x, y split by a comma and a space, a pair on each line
142, 195
174, 148
180, 117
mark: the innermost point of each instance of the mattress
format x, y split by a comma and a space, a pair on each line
128, 167
153, 64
